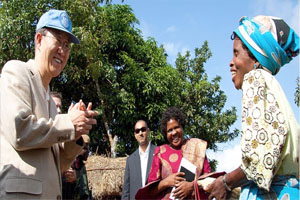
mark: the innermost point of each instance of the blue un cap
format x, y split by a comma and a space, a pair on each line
57, 19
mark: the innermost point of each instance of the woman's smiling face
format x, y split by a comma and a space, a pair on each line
174, 134
240, 64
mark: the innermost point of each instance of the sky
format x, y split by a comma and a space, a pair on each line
182, 26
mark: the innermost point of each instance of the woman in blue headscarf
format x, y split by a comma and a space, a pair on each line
269, 136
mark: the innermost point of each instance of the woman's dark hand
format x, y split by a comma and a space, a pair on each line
217, 189
172, 179
233, 179
183, 189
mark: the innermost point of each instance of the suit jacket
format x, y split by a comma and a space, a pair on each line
133, 175
36, 144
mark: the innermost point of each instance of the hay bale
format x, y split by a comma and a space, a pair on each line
105, 176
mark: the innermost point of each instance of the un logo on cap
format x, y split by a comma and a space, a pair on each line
65, 21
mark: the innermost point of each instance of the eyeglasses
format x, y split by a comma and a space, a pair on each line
143, 129
65, 45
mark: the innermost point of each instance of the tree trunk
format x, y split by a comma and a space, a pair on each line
113, 141
113, 145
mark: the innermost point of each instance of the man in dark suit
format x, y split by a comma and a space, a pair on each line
139, 163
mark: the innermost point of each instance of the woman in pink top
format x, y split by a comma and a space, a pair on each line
164, 173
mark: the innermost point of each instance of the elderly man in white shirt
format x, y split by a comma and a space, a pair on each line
138, 164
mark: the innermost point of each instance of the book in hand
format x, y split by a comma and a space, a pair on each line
189, 170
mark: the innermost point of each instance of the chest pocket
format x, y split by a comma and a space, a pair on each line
23, 185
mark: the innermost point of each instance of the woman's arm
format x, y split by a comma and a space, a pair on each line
264, 128
168, 182
233, 179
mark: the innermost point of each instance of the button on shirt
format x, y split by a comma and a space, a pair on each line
144, 161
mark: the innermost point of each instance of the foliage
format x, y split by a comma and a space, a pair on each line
125, 76
297, 93
213, 164
132, 74
203, 101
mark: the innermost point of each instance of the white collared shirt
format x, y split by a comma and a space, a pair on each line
144, 161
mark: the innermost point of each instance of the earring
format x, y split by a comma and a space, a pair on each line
255, 66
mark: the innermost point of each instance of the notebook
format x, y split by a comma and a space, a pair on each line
189, 170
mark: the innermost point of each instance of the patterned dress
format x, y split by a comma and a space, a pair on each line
269, 140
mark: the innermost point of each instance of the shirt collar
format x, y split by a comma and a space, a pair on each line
147, 150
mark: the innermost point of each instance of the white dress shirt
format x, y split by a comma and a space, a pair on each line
144, 161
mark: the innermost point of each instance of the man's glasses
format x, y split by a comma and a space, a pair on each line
143, 129
65, 45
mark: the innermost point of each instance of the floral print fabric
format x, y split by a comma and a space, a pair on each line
264, 130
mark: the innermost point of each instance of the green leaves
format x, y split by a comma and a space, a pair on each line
297, 93
126, 77
203, 101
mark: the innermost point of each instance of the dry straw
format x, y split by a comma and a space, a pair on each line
105, 176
